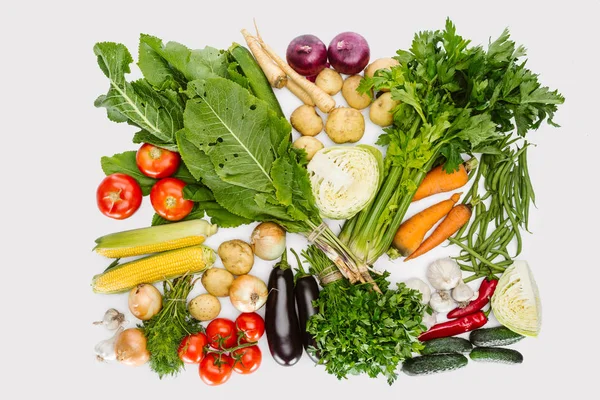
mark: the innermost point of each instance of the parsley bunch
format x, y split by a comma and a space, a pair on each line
360, 331
453, 99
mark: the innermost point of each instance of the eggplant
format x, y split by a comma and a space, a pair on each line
281, 322
307, 291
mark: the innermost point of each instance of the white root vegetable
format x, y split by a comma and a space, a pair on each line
462, 292
204, 307
444, 274
299, 93
421, 286
217, 281
145, 301
330, 81
237, 256
310, 144
345, 125
248, 293
306, 121
442, 301
268, 241
276, 77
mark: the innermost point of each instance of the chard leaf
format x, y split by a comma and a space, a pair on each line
155, 68
137, 103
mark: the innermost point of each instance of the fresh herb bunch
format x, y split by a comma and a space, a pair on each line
454, 99
166, 329
360, 331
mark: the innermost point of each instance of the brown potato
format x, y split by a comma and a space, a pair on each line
217, 281
204, 307
353, 98
380, 111
345, 125
380, 63
310, 144
237, 256
306, 121
330, 81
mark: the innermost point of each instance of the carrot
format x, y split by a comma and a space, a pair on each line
299, 93
325, 102
456, 218
277, 78
438, 181
412, 231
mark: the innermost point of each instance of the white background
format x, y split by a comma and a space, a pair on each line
54, 138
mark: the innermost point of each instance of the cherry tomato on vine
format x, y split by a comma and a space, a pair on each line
215, 370
221, 333
246, 360
167, 199
191, 348
155, 162
252, 324
118, 196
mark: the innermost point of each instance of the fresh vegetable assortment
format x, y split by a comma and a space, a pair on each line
215, 143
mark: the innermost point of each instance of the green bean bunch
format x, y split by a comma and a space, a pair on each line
499, 214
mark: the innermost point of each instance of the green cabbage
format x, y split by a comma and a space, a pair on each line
345, 179
516, 301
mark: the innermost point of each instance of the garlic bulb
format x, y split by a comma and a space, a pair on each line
442, 302
444, 274
105, 350
462, 292
429, 320
418, 284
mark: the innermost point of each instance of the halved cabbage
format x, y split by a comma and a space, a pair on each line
516, 301
345, 179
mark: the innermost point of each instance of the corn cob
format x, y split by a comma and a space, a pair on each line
154, 239
154, 268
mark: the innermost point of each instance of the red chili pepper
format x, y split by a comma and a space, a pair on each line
455, 327
486, 290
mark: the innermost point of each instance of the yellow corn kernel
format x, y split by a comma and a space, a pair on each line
158, 267
151, 248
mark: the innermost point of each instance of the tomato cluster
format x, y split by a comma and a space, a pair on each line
225, 347
119, 195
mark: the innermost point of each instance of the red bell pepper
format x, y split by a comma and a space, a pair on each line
486, 290
455, 327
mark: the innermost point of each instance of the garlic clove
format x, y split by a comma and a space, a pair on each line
105, 350
444, 274
462, 292
418, 284
442, 301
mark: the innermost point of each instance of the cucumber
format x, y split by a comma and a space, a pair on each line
447, 345
496, 355
492, 337
433, 363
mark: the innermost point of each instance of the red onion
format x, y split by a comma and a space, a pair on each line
307, 55
349, 53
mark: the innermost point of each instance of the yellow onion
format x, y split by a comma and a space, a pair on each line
248, 293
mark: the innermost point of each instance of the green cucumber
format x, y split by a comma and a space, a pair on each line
492, 337
496, 355
433, 363
447, 345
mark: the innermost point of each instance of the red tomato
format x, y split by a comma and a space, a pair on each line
252, 325
215, 370
221, 333
156, 162
191, 348
246, 360
118, 196
167, 199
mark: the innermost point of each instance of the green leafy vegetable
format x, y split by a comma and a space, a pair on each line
166, 329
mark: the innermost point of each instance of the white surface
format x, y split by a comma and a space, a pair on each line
54, 137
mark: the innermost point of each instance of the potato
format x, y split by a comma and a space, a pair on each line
330, 81
204, 307
217, 281
353, 98
380, 110
306, 121
380, 63
345, 125
237, 256
310, 144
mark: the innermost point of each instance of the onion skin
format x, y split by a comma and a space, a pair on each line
145, 301
248, 293
130, 348
349, 53
307, 55
268, 241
